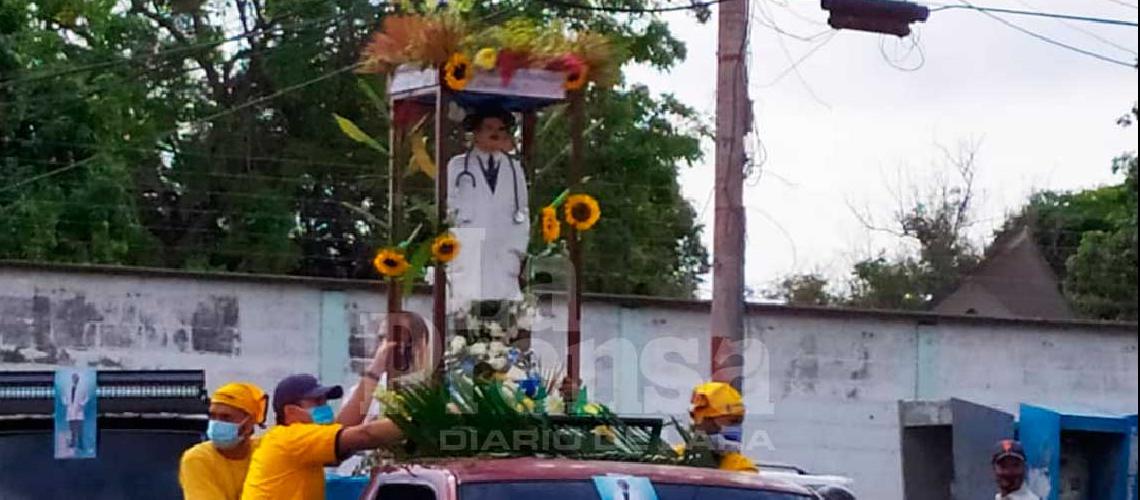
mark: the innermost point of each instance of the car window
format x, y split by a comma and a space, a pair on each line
405, 492
584, 490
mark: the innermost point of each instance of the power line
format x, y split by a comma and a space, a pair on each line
1046, 39
788, 55
915, 47
161, 53
1122, 3
34, 178
787, 71
633, 10
204, 119
995, 10
1089, 33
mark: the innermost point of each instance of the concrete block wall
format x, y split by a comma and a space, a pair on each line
822, 387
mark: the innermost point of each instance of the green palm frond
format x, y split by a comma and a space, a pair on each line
460, 418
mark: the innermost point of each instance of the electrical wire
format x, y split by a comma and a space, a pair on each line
1089, 33
788, 55
633, 10
207, 118
1122, 3
915, 47
162, 53
21, 183
787, 71
1061, 44
994, 10
1041, 37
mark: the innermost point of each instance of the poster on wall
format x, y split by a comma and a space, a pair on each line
75, 417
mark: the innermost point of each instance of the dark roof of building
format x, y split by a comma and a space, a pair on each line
1013, 281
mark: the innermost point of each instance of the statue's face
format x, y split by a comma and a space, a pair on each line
493, 135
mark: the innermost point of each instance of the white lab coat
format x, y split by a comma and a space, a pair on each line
75, 404
492, 244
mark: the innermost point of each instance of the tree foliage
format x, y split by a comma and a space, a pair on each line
808, 289
1088, 237
200, 134
934, 218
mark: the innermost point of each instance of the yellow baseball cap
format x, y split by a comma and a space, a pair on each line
715, 399
245, 397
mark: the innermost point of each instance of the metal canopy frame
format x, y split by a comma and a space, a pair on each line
528, 92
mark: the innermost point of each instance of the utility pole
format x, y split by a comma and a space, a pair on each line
733, 116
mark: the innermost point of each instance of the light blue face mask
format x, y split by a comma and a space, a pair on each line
728, 439
322, 415
224, 435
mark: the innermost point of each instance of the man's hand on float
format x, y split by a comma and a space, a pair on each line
355, 408
382, 359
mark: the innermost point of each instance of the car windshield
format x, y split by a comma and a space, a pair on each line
585, 490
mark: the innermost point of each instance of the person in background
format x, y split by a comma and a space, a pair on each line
717, 412
289, 463
215, 469
1009, 472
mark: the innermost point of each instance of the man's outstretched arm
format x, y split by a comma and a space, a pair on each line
368, 436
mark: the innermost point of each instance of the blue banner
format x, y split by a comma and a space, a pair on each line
624, 488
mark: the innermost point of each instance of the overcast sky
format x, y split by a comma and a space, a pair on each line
856, 127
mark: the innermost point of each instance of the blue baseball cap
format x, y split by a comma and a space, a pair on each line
294, 388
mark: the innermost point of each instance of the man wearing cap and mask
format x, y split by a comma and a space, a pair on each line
289, 462
1009, 472
216, 469
717, 410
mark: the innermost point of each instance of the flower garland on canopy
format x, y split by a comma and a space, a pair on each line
445, 39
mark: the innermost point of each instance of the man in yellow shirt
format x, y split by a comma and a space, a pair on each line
289, 463
215, 469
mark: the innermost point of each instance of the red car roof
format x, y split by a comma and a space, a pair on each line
482, 470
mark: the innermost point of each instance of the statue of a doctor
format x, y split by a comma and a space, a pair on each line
487, 203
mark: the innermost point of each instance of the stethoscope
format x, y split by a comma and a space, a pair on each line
519, 217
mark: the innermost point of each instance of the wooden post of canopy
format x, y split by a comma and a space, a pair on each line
529, 128
395, 216
574, 314
443, 142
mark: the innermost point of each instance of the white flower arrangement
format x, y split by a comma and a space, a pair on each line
477, 350
484, 346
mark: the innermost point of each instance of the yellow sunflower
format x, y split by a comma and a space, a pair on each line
582, 211
391, 263
445, 247
576, 78
551, 228
457, 72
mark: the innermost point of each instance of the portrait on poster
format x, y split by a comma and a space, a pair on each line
75, 413
614, 487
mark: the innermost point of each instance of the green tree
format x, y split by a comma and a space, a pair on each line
808, 289
648, 242
936, 219
51, 115
1089, 239
1100, 277
199, 134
